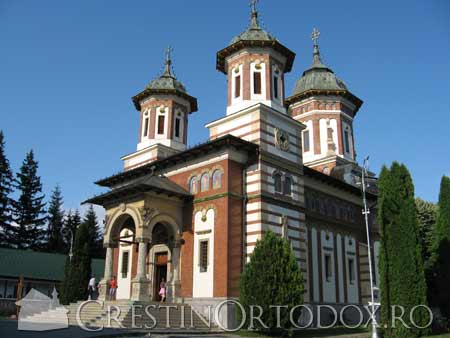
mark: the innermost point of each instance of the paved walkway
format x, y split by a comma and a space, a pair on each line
8, 329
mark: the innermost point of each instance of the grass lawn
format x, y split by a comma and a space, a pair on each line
310, 333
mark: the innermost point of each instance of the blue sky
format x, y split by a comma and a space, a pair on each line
68, 70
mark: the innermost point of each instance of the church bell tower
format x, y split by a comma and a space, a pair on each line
163, 106
255, 64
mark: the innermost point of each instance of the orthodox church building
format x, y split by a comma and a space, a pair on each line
284, 163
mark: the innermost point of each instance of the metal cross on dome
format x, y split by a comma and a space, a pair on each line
168, 51
315, 35
253, 4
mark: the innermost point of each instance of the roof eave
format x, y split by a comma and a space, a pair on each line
227, 140
311, 92
233, 48
152, 91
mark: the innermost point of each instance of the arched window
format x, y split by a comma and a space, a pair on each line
287, 186
193, 185
277, 181
146, 124
204, 182
217, 179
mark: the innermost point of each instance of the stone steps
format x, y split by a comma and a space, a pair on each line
93, 315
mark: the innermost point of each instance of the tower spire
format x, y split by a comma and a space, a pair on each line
316, 53
254, 23
168, 63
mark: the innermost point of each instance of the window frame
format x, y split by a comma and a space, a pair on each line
203, 262
328, 262
193, 180
220, 174
205, 174
351, 270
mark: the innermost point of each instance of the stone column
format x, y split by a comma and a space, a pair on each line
109, 261
173, 294
140, 285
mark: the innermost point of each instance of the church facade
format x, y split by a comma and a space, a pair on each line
192, 216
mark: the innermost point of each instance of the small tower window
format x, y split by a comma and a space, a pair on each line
257, 82
306, 144
178, 128
146, 123
237, 86
275, 87
347, 141
204, 182
161, 121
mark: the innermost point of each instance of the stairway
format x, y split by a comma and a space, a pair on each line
47, 320
93, 316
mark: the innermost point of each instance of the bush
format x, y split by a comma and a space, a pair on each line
272, 277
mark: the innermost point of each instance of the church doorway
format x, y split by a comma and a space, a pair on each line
161, 259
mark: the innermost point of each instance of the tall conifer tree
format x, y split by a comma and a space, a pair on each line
55, 242
28, 210
96, 239
401, 267
71, 223
6, 187
439, 280
78, 269
426, 214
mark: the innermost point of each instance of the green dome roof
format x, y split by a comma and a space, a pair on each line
254, 32
318, 77
167, 80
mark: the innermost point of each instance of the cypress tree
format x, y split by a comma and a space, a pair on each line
96, 240
426, 214
443, 218
28, 211
272, 277
55, 223
439, 292
401, 267
77, 270
6, 187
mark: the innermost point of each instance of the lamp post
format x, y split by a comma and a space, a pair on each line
65, 231
366, 212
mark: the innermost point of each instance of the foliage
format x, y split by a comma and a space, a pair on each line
95, 235
402, 277
55, 222
272, 277
426, 214
28, 211
439, 291
78, 269
6, 187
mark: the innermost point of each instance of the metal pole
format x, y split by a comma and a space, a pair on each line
366, 213
71, 245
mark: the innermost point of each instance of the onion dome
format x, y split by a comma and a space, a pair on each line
318, 76
319, 79
254, 36
166, 83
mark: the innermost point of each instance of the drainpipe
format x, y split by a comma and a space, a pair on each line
244, 208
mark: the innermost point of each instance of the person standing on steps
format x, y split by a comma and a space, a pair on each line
112, 288
162, 290
91, 288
